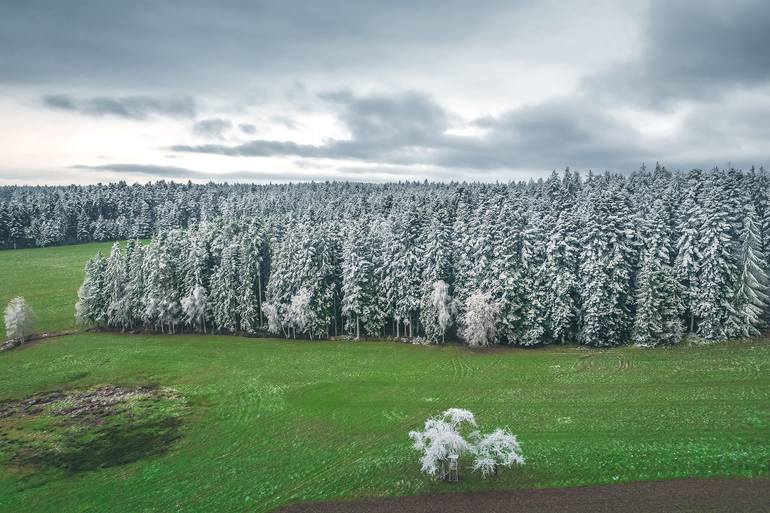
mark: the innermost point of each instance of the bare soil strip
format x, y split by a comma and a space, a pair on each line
678, 496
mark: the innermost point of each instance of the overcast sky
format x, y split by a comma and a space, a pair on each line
370, 90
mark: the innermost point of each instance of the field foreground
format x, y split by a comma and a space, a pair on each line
264, 423
680, 496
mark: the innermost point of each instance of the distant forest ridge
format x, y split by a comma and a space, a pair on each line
598, 260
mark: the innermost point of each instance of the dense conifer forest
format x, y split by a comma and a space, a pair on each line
598, 260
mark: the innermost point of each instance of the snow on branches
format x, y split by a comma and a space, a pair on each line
442, 437
480, 320
19, 319
600, 260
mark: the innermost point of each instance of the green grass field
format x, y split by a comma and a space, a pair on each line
48, 278
268, 422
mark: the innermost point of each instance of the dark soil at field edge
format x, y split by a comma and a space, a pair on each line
678, 496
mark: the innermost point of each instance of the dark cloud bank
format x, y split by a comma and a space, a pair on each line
704, 55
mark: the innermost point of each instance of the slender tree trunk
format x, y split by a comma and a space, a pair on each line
259, 298
358, 327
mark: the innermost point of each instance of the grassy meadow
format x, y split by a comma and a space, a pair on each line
266, 422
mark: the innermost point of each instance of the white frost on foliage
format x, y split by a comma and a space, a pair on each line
19, 319
441, 438
298, 313
273, 316
480, 320
438, 441
195, 307
498, 448
456, 416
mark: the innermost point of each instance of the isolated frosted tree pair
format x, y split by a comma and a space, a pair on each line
442, 437
19, 319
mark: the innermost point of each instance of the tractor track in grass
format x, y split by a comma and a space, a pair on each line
333, 468
675, 496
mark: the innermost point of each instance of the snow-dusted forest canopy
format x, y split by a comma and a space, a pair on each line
598, 260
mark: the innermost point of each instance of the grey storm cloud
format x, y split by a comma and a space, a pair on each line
213, 128
129, 107
353, 174
163, 43
387, 128
693, 51
410, 128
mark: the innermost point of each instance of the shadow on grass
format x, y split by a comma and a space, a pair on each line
106, 446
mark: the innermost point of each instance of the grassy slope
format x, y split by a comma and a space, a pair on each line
275, 421
48, 278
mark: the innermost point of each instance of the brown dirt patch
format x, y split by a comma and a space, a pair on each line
679, 496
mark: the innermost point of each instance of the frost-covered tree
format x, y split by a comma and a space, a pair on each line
441, 438
480, 319
716, 270
658, 317
751, 295
496, 449
19, 319
606, 266
299, 313
118, 308
93, 295
195, 307
225, 287
273, 316
437, 315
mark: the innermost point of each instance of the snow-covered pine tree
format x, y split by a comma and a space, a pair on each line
606, 262
93, 295
225, 287
658, 305
751, 297
358, 287
118, 308
717, 272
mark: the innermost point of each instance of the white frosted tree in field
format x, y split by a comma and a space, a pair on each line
19, 319
480, 319
496, 449
195, 307
441, 438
